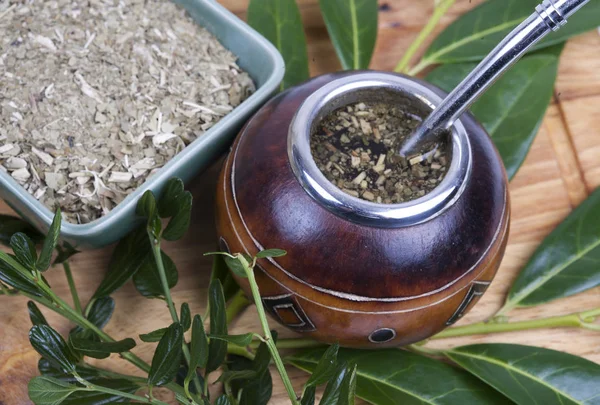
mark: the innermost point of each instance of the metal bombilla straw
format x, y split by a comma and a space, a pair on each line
549, 16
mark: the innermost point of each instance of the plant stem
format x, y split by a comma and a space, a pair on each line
240, 351
112, 374
269, 338
71, 282
292, 343
98, 388
167, 293
438, 12
238, 303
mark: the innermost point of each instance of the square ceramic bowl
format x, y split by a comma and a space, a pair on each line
255, 55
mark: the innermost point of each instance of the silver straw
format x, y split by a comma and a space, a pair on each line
549, 16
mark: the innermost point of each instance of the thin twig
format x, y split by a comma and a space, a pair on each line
72, 287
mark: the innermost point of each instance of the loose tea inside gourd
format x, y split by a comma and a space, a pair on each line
356, 148
95, 96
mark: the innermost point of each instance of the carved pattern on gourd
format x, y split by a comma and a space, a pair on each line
286, 302
475, 290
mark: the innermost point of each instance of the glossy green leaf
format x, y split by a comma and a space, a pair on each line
154, 336
235, 266
127, 258
280, 22
198, 348
49, 391
167, 357
230, 375
308, 397
341, 385
43, 262
24, 249
513, 108
271, 253
217, 349
185, 317
258, 390
565, 263
100, 398
100, 350
146, 206
220, 272
50, 345
101, 311
348, 388
223, 400
476, 33
147, 278
410, 382
10, 225
352, 27
529, 375
326, 367
36, 316
65, 252
14, 278
180, 222
239, 340
170, 198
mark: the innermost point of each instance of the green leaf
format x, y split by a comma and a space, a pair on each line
223, 400
258, 390
529, 375
101, 398
166, 359
127, 258
198, 348
185, 317
476, 33
514, 107
565, 263
146, 206
180, 222
43, 262
340, 386
262, 357
352, 26
230, 375
147, 278
410, 382
217, 349
14, 278
170, 198
240, 340
280, 22
24, 250
49, 391
10, 225
348, 388
308, 398
235, 265
271, 253
50, 344
153, 336
101, 311
326, 367
65, 252
100, 350
220, 272
36, 316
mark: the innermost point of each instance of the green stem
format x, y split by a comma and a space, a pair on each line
238, 303
71, 282
112, 374
438, 13
269, 338
98, 388
292, 343
240, 351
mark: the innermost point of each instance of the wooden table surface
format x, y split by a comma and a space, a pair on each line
562, 168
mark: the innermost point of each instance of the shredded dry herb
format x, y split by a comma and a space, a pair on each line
97, 95
356, 149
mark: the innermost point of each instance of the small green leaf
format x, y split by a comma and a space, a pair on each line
186, 317
170, 198
352, 27
198, 348
223, 400
47, 342
101, 398
14, 278
529, 375
65, 252
127, 258
235, 265
49, 391
262, 357
326, 368
258, 390
180, 222
100, 350
217, 349
221, 272
10, 225
472, 36
333, 390
239, 340
280, 22
271, 253
230, 375
43, 262
513, 108
101, 311
36, 316
146, 206
348, 388
24, 250
166, 359
308, 398
153, 336
147, 279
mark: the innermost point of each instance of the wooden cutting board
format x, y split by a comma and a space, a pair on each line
562, 168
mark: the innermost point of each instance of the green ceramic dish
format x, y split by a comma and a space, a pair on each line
255, 55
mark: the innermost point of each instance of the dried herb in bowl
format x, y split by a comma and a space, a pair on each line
96, 96
356, 149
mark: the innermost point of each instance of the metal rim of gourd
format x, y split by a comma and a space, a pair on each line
375, 86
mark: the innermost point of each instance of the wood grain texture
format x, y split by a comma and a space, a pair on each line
544, 191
